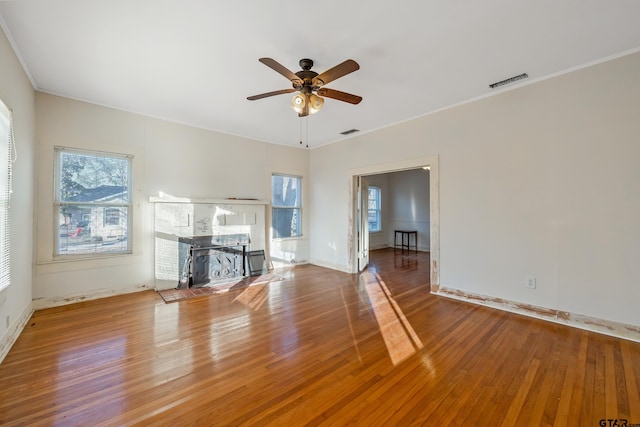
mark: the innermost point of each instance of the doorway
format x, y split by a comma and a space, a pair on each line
359, 252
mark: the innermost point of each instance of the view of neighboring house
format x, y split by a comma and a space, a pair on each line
85, 224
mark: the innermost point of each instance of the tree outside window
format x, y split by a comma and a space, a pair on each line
286, 206
93, 202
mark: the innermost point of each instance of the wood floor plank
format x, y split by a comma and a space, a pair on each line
563, 411
312, 350
632, 380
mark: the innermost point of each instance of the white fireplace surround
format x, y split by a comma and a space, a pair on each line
181, 217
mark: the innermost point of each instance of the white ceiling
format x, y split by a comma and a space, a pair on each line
196, 61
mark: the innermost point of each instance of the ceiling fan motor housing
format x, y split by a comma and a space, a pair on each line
307, 76
306, 64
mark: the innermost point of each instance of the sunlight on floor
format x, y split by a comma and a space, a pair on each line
254, 296
353, 335
400, 338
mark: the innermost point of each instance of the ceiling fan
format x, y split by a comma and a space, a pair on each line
311, 85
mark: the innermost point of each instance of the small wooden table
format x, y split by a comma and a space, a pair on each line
405, 239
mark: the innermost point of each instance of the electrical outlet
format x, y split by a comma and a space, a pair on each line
530, 282
8, 321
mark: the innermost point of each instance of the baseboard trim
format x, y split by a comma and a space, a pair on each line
14, 332
593, 324
42, 303
343, 268
385, 246
378, 246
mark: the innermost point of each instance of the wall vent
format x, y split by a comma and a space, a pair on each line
349, 132
509, 80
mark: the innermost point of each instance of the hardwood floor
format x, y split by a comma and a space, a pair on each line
320, 347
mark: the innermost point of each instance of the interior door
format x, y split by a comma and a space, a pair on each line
363, 223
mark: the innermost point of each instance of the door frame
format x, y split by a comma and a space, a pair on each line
434, 208
362, 223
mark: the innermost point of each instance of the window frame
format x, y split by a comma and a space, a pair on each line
297, 207
377, 210
104, 206
6, 157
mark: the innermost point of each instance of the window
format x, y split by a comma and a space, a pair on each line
92, 203
6, 142
286, 206
374, 209
112, 216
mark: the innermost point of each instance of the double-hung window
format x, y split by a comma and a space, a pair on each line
6, 143
374, 209
93, 207
286, 206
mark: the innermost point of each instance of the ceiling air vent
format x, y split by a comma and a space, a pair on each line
509, 80
349, 132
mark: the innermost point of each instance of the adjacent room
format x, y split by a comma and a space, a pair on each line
362, 213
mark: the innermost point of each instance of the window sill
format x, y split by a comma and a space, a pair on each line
70, 263
81, 257
284, 239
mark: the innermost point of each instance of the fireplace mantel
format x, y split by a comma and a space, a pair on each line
229, 201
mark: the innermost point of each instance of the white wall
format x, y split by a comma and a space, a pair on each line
409, 191
16, 91
538, 181
175, 159
405, 206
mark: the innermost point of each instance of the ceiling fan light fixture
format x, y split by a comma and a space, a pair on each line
315, 103
298, 102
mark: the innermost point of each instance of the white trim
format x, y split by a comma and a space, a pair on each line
593, 324
14, 331
378, 246
165, 199
339, 267
42, 303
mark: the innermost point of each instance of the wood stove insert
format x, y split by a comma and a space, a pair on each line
207, 259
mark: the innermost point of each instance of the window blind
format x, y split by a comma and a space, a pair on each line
6, 135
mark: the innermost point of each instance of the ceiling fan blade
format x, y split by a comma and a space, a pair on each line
342, 69
278, 67
267, 94
340, 96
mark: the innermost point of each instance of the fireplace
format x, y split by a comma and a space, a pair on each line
207, 259
203, 241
